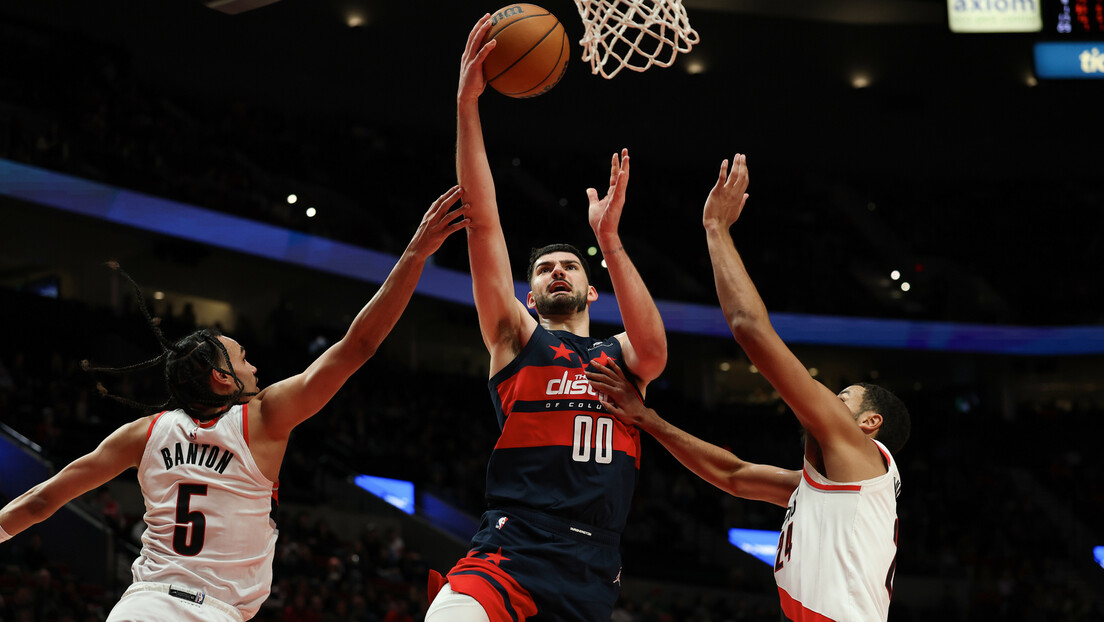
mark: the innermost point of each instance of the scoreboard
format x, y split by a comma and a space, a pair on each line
1074, 18
1071, 45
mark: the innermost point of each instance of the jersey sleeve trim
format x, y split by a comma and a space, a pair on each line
830, 487
245, 423
149, 431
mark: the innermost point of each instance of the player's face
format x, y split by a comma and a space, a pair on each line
559, 284
852, 397
245, 372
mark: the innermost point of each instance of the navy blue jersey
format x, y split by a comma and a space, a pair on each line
559, 453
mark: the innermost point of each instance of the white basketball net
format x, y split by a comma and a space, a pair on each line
633, 33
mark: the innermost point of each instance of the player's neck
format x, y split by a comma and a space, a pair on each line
577, 323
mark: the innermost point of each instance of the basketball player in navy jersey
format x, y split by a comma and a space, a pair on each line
561, 477
838, 548
209, 465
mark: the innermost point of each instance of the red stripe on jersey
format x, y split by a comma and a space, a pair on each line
557, 428
796, 612
830, 487
153, 423
205, 424
885, 454
486, 593
245, 423
534, 384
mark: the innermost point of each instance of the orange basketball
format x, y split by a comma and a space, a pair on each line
531, 52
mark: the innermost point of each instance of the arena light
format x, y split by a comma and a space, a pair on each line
695, 66
355, 19
759, 543
188, 222
397, 492
1098, 555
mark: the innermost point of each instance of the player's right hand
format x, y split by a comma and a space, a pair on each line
472, 81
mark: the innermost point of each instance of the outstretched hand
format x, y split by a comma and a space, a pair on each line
726, 199
439, 222
472, 80
617, 394
605, 213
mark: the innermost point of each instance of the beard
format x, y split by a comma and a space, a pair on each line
548, 305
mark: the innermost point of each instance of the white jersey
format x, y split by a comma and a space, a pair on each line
838, 548
208, 507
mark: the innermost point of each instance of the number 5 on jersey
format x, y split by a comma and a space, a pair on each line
589, 434
185, 516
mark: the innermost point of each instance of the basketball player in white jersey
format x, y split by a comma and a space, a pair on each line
837, 550
209, 466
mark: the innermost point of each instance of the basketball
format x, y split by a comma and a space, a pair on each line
531, 52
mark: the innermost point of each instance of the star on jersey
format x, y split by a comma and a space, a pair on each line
604, 359
496, 558
561, 351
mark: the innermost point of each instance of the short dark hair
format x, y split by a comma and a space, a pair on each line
537, 253
896, 423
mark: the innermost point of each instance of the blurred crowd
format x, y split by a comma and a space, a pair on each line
971, 509
989, 502
79, 107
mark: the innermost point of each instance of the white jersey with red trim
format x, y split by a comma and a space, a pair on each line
208, 524
838, 548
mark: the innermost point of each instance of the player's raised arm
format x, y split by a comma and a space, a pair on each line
820, 411
115, 454
644, 342
715, 465
503, 320
289, 402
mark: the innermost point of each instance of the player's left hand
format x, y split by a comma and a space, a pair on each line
605, 213
439, 222
616, 393
726, 199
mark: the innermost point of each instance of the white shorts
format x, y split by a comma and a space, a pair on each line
451, 606
161, 602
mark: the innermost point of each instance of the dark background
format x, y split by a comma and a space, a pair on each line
981, 184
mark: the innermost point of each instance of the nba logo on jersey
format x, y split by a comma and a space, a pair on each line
501, 522
194, 433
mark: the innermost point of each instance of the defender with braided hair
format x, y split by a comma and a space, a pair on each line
209, 462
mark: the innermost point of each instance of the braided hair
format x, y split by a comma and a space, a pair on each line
188, 364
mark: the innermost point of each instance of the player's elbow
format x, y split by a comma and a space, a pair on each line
748, 327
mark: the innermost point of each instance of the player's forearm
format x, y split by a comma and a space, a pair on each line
706, 460
639, 314
473, 170
24, 511
492, 281
376, 319
743, 307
